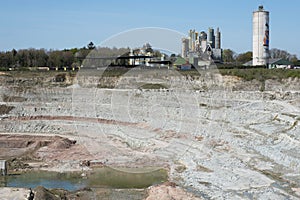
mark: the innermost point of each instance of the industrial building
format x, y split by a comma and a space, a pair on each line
202, 46
261, 39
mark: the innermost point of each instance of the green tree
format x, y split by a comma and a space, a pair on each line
6, 60
41, 57
157, 53
294, 59
278, 53
22, 56
244, 57
172, 57
91, 46
228, 56
67, 58
55, 59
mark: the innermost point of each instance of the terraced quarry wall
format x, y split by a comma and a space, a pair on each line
219, 136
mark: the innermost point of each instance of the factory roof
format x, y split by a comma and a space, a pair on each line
279, 61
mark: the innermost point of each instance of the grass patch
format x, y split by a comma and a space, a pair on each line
261, 74
248, 74
38, 74
191, 72
111, 72
39, 78
153, 86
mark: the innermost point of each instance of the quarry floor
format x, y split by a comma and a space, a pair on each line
216, 144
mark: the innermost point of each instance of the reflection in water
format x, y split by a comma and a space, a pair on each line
101, 177
50, 180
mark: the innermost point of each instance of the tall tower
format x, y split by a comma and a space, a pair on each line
211, 37
218, 39
261, 38
185, 47
192, 37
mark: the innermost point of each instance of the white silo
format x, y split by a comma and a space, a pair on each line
260, 37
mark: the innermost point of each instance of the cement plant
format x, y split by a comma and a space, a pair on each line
199, 46
141, 124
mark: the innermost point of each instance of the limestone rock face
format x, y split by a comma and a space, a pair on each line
220, 137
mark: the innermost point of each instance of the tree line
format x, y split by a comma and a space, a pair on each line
70, 58
229, 56
74, 57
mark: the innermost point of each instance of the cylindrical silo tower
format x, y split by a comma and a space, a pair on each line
261, 38
193, 40
190, 39
211, 37
218, 39
185, 47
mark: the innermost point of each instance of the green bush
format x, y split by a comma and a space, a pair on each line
150, 86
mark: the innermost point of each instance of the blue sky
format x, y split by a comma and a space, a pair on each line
59, 24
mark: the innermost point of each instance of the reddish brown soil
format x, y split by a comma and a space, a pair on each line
43, 148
